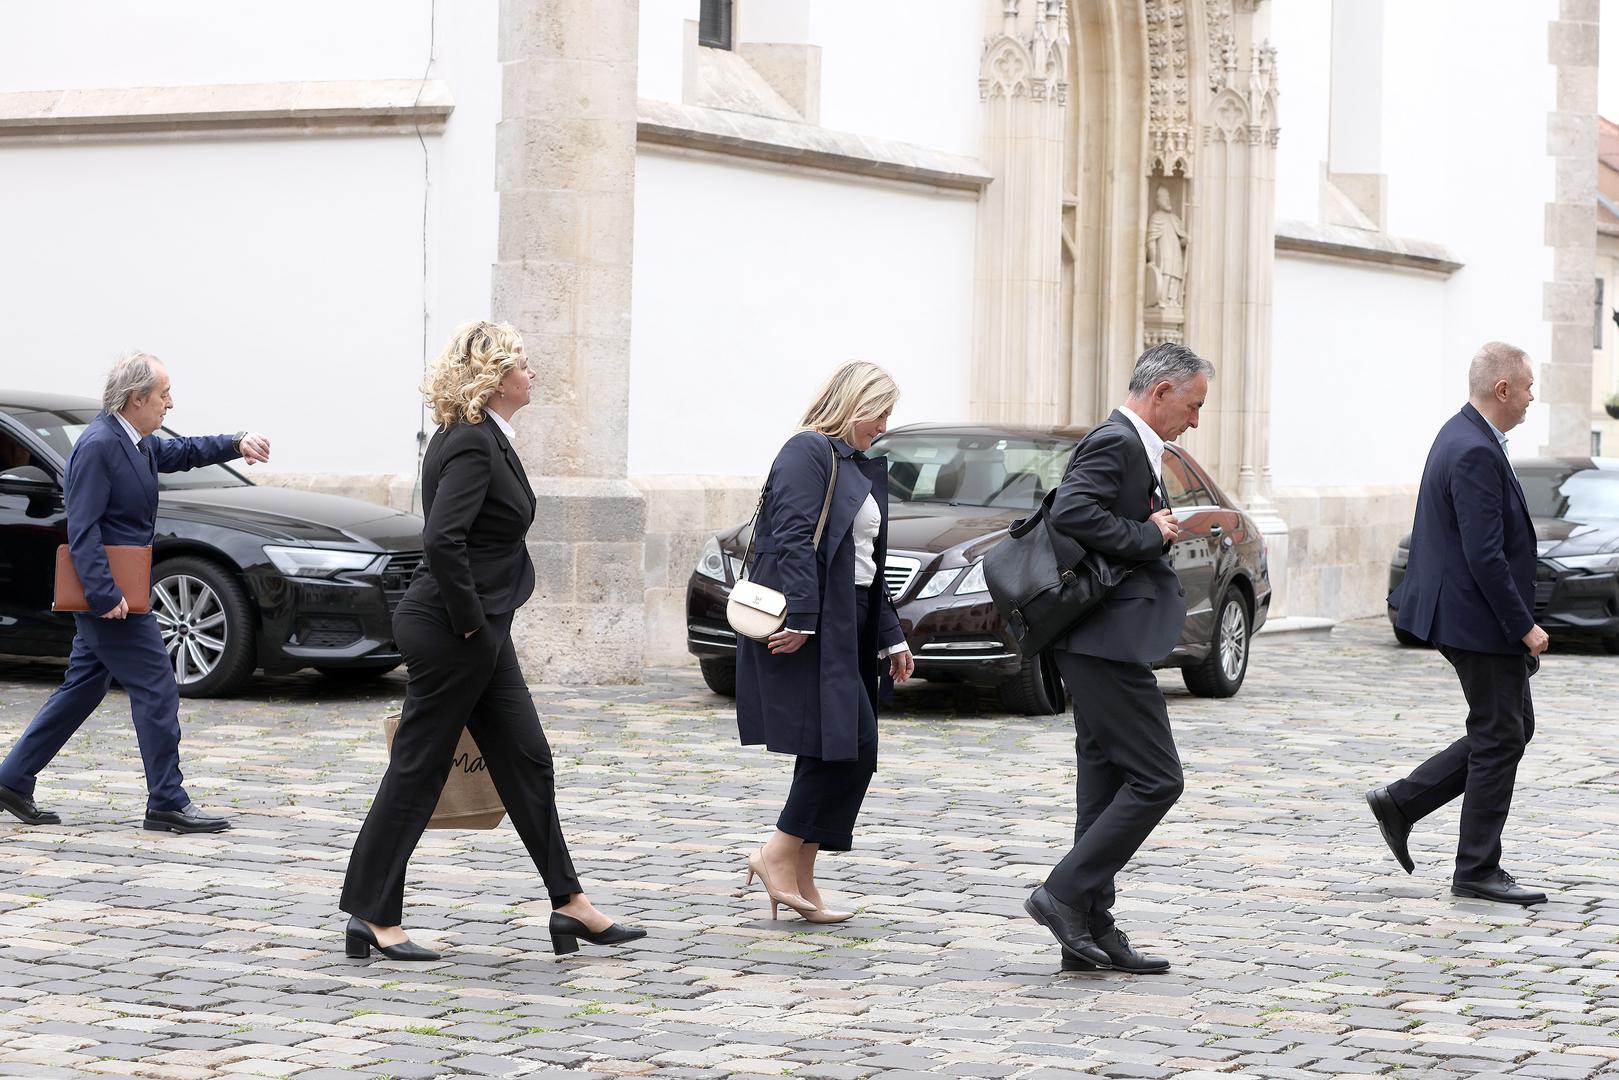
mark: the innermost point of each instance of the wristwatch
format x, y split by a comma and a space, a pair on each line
237, 443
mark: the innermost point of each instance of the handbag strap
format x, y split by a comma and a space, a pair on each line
820, 523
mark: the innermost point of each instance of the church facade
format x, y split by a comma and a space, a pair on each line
693, 209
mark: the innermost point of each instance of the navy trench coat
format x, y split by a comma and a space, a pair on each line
809, 702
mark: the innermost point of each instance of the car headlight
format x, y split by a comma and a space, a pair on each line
711, 562
317, 562
1604, 563
939, 582
974, 581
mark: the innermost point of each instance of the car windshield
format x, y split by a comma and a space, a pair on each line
60, 429
1578, 495
1014, 472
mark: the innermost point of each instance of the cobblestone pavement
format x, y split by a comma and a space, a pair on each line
1300, 949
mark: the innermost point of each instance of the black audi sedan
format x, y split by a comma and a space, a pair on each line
243, 577
953, 492
1574, 502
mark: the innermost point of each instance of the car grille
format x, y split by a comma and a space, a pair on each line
327, 631
396, 576
899, 571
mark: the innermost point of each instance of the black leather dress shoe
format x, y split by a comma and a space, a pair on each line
1126, 958
1392, 824
23, 809
1498, 887
1068, 927
186, 820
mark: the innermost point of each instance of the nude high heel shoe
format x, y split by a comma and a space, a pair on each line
756, 868
827, 915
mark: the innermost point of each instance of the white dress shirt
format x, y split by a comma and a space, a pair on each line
501, 422
129, 429
1149, 439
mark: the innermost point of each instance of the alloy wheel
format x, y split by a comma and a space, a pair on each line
1233, 639
193, 624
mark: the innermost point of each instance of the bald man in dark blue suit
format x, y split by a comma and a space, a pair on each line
1469, 588
111, 494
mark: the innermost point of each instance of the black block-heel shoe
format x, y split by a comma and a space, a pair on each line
358, 941
567, 932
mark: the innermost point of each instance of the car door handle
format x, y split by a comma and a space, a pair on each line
1215, 529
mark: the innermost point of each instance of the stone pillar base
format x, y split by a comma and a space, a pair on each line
585, 622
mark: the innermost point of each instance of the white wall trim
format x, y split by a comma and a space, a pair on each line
1359, 245
693, 128
359, 107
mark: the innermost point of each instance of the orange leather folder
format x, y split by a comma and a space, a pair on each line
131, 572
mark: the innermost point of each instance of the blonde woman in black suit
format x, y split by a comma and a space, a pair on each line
454, 629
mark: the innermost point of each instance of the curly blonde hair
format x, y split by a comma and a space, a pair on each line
468, 371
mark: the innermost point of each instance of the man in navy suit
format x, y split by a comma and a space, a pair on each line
1470, 589
111, 494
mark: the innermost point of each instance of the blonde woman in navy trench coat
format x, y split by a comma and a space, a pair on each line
811, 689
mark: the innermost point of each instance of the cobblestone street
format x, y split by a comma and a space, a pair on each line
1299, 947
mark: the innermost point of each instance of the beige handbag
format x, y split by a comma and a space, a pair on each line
469, 799
757, 611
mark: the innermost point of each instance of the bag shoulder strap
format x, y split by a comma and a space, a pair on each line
820, 524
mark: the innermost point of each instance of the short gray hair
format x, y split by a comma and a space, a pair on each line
1494, 362
134, 373
1170, 361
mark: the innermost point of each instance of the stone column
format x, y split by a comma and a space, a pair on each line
565, 171
1571, 136
1023, 83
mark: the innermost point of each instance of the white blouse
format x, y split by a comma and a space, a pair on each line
866, 523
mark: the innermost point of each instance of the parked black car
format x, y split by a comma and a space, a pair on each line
1575, 505
953, 492
263, 577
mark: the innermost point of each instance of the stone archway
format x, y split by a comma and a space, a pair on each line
1104, 209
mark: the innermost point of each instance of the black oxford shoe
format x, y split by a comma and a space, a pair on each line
1392, 824
1498, 887
23, 809
1125, 957
1068, 927
189, 819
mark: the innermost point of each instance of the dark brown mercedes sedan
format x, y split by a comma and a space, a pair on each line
953, 491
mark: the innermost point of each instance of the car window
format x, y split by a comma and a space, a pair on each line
61, 429
973, 470
1184, 486
14, 454
1579, 495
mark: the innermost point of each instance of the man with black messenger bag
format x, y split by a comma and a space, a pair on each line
1112, 504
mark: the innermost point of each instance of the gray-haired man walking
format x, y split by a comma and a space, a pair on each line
111, 495
1113, 501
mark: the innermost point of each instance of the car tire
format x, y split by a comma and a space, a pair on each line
1036, 689
1220, 673
720, 675
357, 674
195, 596
1611, 644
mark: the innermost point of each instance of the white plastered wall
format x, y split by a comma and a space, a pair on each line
1379, 354
281, 278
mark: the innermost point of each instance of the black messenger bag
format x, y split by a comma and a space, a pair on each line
1043, 582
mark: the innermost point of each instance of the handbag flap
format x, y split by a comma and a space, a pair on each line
759, 598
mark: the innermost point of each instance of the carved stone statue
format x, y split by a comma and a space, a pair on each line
1166, 252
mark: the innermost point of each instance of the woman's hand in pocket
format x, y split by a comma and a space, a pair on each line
785, 641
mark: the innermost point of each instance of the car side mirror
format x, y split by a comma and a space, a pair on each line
26, 480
